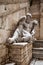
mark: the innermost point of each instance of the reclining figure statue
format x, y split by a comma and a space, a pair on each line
25, 30
18, 32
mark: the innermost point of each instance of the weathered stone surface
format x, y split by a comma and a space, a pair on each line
10, 12
17, 52
41, 9
33, 62
8, 1
10, 8
37, 34
23, 5
41, 28
10, 21
5, 1
12, 1
36, 62
39, 62
36, 2
21, 13
23, 1
35, 16
41, 1
2, 9
0, 23
3, 54
4, 35
41, 34
13, 7
3, 51
34, 9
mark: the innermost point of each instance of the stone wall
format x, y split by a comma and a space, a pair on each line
10, 13
35, 10
41, 19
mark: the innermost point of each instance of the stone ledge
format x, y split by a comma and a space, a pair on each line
10, 8
12, 1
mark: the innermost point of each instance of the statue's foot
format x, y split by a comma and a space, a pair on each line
35, 39
10, 40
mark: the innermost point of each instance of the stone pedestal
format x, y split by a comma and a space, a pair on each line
20, 53
3, 54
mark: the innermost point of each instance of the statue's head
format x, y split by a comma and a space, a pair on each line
22, 19
28, 17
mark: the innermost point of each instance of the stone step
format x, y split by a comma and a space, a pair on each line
38, 43
38, 53
38, 48
38, 56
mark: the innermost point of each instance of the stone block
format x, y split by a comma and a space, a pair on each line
12, 7
22, 12
21, 53
3, 50
23, 5
12, 1
2, 9
3, 54
41, 28
6, 1
41, 9
10, 21
0, 23
8, 9
37, 34
34, 8
4, 36
41, 1
21, 1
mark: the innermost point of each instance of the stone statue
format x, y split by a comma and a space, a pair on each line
18, 32
29, 29
25, 30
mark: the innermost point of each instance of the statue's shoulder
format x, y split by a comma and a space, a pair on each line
21, 21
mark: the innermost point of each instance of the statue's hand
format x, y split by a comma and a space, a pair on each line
10, 40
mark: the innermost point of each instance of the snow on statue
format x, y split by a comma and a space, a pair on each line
25, 30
